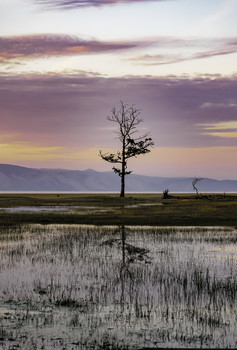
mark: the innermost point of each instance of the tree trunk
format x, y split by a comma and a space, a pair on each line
122, 185
196, 190
122, 193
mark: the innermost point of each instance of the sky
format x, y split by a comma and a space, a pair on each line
64, 64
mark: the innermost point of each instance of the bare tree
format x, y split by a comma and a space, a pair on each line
194, 182
127, 119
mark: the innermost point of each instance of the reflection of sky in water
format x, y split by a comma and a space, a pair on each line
49, 263
225, 253
33, 209
229, 249
41, 209
71, 208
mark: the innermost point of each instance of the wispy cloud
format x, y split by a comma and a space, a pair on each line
212, 105
46, 45
70, 4
222, 129
221, 47
16, 49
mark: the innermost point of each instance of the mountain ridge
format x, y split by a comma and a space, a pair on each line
19, 178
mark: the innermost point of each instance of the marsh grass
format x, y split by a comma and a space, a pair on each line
76, 287
109, 209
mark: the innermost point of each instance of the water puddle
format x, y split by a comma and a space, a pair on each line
46, 209
143, 205
228, 251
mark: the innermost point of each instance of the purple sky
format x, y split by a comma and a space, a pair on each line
65, 64
179, 112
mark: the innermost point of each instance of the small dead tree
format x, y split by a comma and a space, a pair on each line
127, 119
194, 182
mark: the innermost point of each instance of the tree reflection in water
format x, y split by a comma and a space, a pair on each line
131, 254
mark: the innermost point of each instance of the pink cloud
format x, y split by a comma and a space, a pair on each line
45, 45
161, 59
19, 48
70, 4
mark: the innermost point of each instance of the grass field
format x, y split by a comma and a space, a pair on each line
110, 209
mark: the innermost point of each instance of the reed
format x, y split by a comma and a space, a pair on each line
135, 287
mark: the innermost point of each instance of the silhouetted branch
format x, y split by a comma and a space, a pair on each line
194, 182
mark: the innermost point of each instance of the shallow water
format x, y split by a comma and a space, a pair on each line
45, 209
83, 287
40, 209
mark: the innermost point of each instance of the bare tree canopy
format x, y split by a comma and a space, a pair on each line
127, 119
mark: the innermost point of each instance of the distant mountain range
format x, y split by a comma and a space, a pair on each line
17, 178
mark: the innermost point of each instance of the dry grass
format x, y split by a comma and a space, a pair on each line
134, 209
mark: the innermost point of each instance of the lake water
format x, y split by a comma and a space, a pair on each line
88, 287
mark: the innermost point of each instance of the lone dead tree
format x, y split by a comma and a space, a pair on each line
127, 119
194, 182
